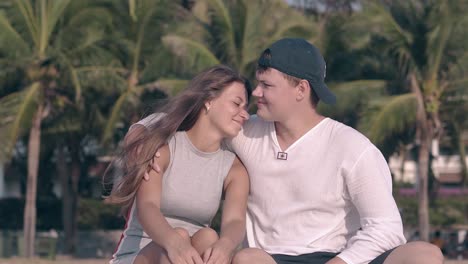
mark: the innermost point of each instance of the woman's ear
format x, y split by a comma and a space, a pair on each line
207, 106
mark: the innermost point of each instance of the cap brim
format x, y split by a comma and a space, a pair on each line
323, 92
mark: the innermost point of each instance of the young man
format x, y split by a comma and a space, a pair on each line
320, 192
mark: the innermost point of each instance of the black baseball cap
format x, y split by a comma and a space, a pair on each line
301, 59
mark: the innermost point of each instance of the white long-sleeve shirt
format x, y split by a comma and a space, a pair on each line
333, 193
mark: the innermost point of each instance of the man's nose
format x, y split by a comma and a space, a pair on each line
257, 92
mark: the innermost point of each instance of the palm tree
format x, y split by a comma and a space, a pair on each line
357, 75
232, 32
74, 136
428, 40
137, 43
45, 42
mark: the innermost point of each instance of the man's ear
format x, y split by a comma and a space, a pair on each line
303, 90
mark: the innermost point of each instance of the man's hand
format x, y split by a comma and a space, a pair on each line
152, 166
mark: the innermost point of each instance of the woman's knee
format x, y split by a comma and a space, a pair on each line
207, 234
183, 232
203, 239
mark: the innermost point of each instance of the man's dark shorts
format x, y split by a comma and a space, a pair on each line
320, 258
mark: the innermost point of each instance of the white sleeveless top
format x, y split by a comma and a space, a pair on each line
191, 193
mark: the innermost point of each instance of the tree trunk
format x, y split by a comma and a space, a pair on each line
423, 142
70, 180
66, 200
29, 225
75, 177
423, 208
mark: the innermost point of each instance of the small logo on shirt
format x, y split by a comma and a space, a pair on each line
282, 156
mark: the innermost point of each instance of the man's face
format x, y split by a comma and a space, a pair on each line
276, 97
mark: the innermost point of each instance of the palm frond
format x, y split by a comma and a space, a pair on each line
457, 71
250, 33
380, 21
12, 45
52, 12
74, 77
171, 86
131, 9
307, 28
385, 23
396, 115
116, 113
140, 40
200, 11
222, 30
29, 19
195, 55
16, 111
442, 23
66, 123
45, 18
88, 25
266, 22
352, 97
460, 85
102, 81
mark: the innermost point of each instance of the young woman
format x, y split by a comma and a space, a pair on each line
168, 216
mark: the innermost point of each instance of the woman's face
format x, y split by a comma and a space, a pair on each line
229, 111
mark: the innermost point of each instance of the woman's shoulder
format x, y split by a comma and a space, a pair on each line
164, 157
148, 121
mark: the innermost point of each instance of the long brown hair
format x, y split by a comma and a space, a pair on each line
181, 113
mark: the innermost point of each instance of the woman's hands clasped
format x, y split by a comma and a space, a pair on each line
219, 253
180, 251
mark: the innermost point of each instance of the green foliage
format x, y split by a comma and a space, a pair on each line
392, 116
43, 45
353, 98
232, 32
48, 214
172, 86
95, 214
447, 211
137, 45
423, 39
92, 215
17, 110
